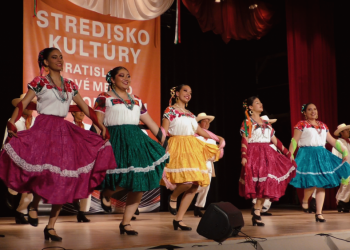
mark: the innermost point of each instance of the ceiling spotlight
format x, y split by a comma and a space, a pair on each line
253, 6
217, 1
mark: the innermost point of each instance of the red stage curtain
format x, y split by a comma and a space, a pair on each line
232, 19
311, 65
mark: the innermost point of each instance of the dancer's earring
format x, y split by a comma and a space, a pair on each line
176, 99
250, 112
186, 104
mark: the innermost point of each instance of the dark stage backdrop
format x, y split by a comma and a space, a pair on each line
342, 49
11, 71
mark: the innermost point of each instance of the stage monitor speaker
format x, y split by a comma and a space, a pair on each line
220, 221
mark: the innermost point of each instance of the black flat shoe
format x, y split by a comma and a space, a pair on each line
255, 219
49, 236
173, 211
19, 217
197, 212
133, 218
318, 219
32, 221
137, 212
107, 209
177, 225
128, 232
81, 217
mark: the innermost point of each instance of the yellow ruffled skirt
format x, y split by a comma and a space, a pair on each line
188, 157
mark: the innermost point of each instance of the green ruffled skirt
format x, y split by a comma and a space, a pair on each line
140, 160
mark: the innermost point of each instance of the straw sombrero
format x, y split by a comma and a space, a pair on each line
17, 100
340, 128
266, 118
202, 116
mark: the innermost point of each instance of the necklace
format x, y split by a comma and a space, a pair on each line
319, 129
60, 92
180, 108
263, 126
187, 115
131, 106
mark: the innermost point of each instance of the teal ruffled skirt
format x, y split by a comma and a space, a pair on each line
140, 160
317, 167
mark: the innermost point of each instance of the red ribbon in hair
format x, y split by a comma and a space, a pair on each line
249, 124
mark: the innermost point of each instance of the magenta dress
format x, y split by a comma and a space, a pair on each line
267, 172
55, 159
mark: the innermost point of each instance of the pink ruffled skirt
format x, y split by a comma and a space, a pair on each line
266, 174
56, 160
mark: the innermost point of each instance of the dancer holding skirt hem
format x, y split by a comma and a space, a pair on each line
265, 172
55, 160
317, 167
187, 168
140, 159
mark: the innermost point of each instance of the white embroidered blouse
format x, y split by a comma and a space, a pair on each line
311, 136
260, 133
48, 103
180, 123
116, 113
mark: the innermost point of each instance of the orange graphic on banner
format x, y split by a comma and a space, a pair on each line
92, 44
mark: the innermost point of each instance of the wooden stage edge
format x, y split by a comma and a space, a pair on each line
155, 229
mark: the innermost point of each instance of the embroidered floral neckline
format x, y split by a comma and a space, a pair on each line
182, 113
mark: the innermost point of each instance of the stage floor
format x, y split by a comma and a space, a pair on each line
156, 229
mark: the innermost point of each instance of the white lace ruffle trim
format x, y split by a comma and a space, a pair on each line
179, 170
53, 169
139, 169
284, 177
319, 173
262, 179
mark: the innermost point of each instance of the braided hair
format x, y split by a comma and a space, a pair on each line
247, 122
112, 73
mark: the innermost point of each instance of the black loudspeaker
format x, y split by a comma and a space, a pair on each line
220, 221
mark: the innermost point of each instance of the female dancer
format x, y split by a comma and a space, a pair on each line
140, 159
265, 173
187, 168
55, 160
317, 167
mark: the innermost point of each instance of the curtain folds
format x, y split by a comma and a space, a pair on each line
127, 9
311, 65
232, 19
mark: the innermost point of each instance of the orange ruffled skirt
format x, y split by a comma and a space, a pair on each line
188, 157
